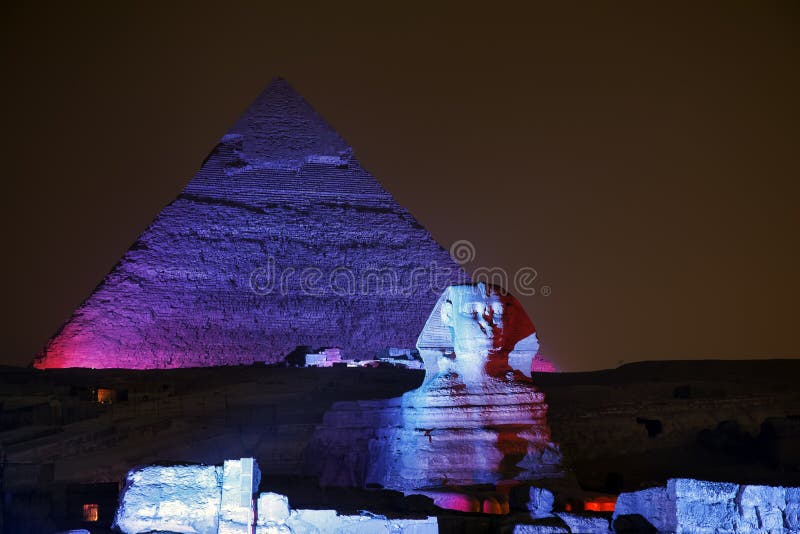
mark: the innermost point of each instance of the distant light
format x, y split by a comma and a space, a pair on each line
91, 512
105, 395
600, 504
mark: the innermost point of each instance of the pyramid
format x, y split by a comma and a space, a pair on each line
280, 240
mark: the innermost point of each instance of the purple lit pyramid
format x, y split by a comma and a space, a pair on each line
280, 240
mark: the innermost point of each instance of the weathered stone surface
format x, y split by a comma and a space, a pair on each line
272, 507
214, 500
541, 502
281, 195
240, 479
709, 492
273, 512
182, 498
760, 508
696, 506
540, 529
588, 524
655, 505
328, 521
792, 511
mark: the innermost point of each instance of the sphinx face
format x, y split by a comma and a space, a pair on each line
479, 316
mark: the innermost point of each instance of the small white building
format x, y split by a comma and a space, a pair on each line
324, 358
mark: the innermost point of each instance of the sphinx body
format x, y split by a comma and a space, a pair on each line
476, 419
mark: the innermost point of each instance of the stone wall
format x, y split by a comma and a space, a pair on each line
214, 500
182, 498
697, 507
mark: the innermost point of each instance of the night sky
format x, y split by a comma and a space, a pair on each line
644, 158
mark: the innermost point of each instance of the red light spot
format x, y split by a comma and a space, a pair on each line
105, 395
600, 504
91, 512
493, 506
459, 502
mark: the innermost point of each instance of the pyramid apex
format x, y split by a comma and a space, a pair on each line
280, 126
279, 82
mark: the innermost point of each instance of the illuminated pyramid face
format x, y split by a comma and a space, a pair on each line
280, 240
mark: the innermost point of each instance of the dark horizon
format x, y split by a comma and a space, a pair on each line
641, 158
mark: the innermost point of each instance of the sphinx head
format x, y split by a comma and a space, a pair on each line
480, 326
478, 316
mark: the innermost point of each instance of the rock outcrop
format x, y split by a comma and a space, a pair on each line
280, 240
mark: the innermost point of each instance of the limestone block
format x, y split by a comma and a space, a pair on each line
182, 498
697, 507
761, 508
273, 507
312, 521
701, 490
762, 496
585, 523
540, 529
240, 480
792, 511
698, 517
540, 503
655, 505
214, 500
702, 506
328, 521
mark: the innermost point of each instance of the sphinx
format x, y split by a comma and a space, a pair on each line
476, 419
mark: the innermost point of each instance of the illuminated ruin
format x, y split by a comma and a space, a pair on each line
204, 499
477, 418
